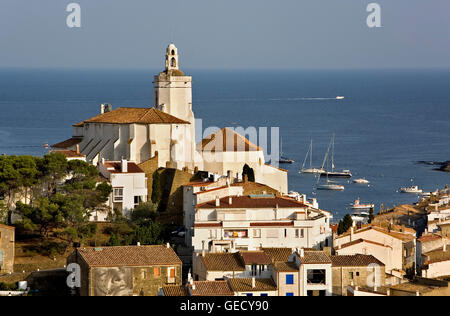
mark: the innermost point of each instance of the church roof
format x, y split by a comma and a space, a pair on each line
134, 116
227, 140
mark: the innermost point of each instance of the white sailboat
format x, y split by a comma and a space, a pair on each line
310, 169
336, 174
282, 158
329, 185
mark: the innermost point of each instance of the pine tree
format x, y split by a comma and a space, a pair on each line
156, 188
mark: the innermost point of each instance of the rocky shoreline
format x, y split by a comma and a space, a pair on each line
442, 165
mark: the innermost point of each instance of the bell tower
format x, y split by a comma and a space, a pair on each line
172, 58
173, 95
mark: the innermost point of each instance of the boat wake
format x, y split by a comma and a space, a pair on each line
305, 99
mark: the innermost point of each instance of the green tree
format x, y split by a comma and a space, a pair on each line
249, 172
156, 188
54, 168
144, 213
347, 222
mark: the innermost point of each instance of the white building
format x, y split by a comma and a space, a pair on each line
253, 222
129, 185
166, 133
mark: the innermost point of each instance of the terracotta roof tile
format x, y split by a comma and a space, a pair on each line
129, 256
285, 267
68, 143
360, 240
245, 285
174, 290
357, 260
255, 257
429, 237
211, 288
223, 262
314, 257
226, 140
278, 254
135, 116
70, 153
117, 165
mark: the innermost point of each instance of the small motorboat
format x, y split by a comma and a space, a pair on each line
340, 97
413, 189
284, 160
360, 217
338, 174
357, 205
331, 186
361, 181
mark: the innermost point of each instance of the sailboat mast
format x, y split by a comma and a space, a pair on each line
310, 155
332, 154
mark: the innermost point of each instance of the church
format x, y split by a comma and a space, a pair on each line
165, 135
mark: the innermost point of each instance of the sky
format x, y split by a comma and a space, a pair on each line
226, 34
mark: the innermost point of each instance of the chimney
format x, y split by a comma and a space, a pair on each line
302, 253
102, 108
78, 149
352, 232
203, 249
230, 200
138, 244
124, 166
217, 201
103, 161
445, 245
253, 282
167, 245
193, 286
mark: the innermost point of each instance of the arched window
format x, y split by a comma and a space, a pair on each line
173, 62
173, 52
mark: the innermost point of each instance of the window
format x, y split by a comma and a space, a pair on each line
350, 275
357, 274
137, 200
254, 269
171, 272
156, 272
118, 194
289, 294
316, 276
143, 274
299, 233
257, 233
249, 294
264, 294
212, 233
285, 233
289, 279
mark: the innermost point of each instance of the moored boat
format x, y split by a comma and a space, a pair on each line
412, 189
357, 205
361, 181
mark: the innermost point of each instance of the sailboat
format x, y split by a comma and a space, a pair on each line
310, 169
282, 158
329, 185
332, 173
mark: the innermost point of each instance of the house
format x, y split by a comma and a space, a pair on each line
436, 263
72, 154
357, 270
421, 287
425, 244
253, 287
198, 192
126, 270
226, 152
307, 273
129, 185
258, 221
7, 252
242, 264
394, 248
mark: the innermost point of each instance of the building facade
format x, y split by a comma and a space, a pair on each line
7, 250
126, 270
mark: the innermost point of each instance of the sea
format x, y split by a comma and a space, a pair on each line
388, 121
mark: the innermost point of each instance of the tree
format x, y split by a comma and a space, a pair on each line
143, 213
249, 172
156, 188
53, 167
347, 222
371, 216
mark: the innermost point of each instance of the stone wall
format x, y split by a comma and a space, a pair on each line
362, 277
7, 252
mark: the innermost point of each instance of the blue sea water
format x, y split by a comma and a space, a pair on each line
388, 120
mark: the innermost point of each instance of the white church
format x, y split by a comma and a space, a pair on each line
166, 131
